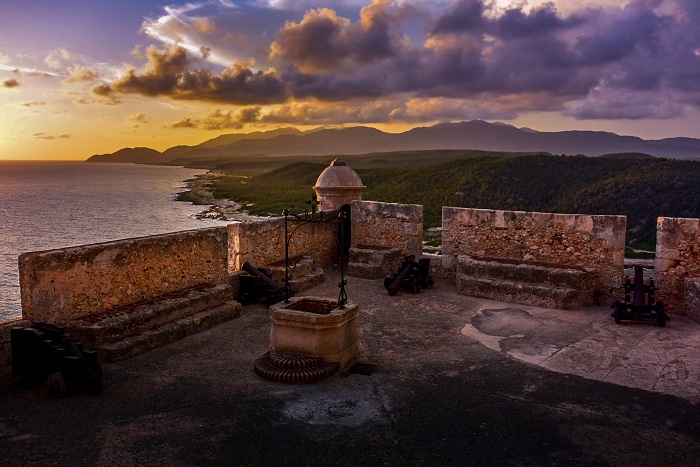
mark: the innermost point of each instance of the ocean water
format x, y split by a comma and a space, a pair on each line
47, 205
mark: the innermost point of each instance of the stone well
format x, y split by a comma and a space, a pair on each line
316, 327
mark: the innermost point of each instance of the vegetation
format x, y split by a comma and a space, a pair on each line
640, 188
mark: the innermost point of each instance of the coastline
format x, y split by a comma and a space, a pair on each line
198, 192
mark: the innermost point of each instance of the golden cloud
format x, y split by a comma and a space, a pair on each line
10, 83
79, 74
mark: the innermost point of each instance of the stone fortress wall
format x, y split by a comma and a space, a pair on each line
569, 240
69, 283
388, 225
261, 243
677, 265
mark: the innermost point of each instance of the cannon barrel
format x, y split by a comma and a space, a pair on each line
396, 285
253, 271
638, 294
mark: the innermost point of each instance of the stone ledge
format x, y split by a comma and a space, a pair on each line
122, 322
584, 282
518, 292
167, 333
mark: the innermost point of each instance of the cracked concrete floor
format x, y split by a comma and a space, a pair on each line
587, 343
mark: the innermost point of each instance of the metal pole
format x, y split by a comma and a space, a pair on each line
343, 296
286, 255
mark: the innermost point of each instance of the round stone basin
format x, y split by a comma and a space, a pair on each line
316, 327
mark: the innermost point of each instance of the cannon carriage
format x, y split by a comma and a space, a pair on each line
43, 352
412, 276
639, 302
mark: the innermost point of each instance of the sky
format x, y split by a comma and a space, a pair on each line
84, 77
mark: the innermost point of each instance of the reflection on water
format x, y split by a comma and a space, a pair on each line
46, 205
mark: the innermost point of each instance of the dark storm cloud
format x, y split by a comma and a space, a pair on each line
168, 73
324, 41
461, 16
588, 64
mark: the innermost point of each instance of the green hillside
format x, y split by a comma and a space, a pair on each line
640, 188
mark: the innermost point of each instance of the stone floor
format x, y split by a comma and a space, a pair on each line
456, 381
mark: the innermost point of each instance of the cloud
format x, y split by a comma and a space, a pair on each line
50, 137
138, 119
218, 120
323, 41
79, 74
185, 122
4, 58
33, 104
10, 83
389, 60
204, 26
56, 58
168, 73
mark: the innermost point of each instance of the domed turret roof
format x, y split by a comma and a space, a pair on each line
338, 175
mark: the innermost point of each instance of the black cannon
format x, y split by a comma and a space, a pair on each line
639, 303
412, 276
258, 285
43, 352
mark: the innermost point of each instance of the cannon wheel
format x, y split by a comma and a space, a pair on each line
661, 317
58, 384
617, 313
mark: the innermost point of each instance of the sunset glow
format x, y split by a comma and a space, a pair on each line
81, 78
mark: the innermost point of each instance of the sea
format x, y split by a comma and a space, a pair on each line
49, 205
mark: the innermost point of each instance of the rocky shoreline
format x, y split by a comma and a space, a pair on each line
199, 192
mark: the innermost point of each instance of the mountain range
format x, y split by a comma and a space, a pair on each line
475, 134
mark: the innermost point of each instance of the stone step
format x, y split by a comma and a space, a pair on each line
524, 272
298, 268
366, 271
370, 262
315, 369
375, 255
519, 292
168, 332
122, 322
312, 279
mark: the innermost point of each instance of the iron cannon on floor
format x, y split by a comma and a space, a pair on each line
412, 276
639, 303
43, 352
259, 285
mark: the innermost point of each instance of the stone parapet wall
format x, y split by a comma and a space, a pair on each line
677, 259
575, 240
388, 225
261, 243
70, 283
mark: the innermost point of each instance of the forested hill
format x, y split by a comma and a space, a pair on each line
640, 188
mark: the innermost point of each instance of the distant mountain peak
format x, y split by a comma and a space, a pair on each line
473, 134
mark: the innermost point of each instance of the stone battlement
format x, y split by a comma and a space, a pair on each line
67, 284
